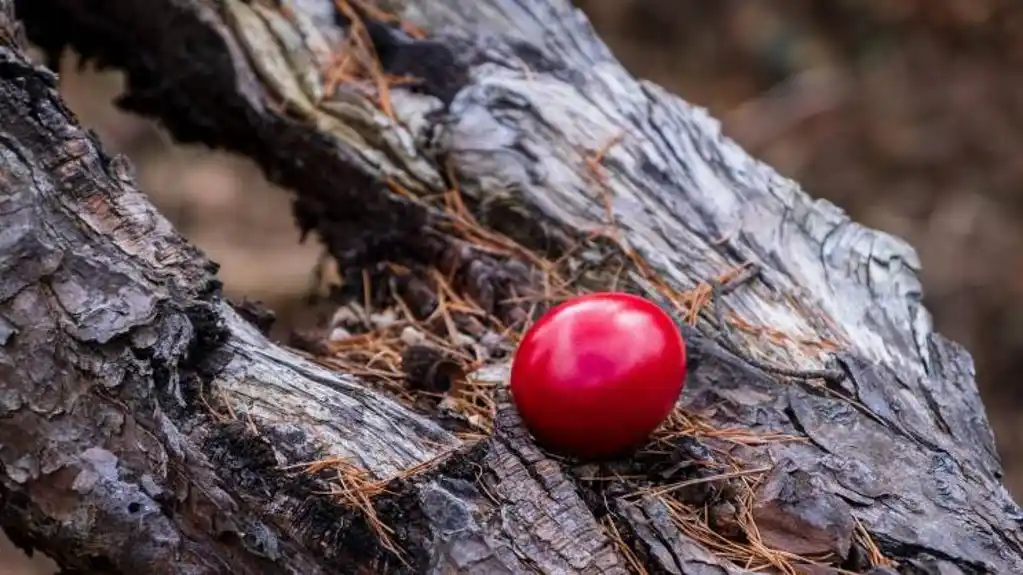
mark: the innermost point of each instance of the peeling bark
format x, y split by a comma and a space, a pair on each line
146, 426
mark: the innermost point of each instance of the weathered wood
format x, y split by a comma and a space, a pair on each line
146, 426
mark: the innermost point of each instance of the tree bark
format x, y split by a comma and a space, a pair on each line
146, 426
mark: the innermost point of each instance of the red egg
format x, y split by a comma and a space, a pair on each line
598, 373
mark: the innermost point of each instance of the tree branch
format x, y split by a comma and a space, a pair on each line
149, 425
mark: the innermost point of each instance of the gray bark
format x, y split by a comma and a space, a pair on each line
145, 426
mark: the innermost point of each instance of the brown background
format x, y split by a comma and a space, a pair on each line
907, 113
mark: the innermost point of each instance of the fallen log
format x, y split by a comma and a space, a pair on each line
467, 163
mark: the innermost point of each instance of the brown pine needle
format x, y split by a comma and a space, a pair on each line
379, 15
635, 565
682, 484
364, 47
874, 554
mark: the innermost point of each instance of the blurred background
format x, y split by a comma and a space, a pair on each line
906, 113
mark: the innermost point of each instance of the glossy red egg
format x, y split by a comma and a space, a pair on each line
598, 373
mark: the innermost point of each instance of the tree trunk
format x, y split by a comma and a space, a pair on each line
147, 426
